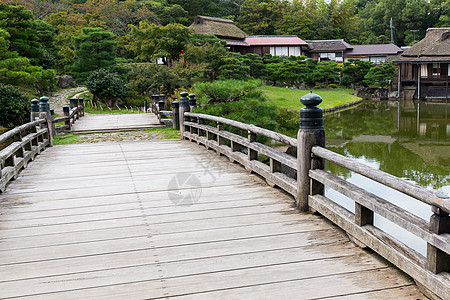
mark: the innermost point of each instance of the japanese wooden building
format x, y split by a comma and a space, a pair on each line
423, 70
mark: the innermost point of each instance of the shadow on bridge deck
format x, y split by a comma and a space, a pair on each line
167, 219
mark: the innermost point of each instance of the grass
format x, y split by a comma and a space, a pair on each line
160, 133
285, 97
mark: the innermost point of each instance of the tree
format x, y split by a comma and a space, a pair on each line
260, 17
23, 35
94, 50
151, 78
208, 52
233, 67
14, 107
106, 87
149, 41
326, 71
380, 75
17, 70
353, 71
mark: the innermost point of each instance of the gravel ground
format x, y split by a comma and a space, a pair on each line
136, 135
61, 98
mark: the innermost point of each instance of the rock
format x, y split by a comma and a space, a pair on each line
65, 81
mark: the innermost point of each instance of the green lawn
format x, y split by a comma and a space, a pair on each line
284, 97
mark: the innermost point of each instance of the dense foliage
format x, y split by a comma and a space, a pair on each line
239, 100
15, 107
106, 86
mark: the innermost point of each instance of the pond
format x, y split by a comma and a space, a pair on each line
408, 139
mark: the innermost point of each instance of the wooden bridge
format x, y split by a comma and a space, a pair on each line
170, 219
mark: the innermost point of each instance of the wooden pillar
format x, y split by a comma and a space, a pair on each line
66, 111
74, 103
192, 101
44, 113
34, 110
81, 106
310, 134
52, 118
252, 154
437, 260
184, 107
176, 115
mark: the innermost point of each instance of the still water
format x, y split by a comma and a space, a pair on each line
408, 139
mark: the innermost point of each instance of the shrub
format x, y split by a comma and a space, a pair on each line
317, 87
333, 86
106, 87
134, 99
14, 107
288, 119
241, 101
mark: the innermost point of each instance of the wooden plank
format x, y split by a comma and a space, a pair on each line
299, 243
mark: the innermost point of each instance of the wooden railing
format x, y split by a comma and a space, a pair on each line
71, 114
28, 140
304, 178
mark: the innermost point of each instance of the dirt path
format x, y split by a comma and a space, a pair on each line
61, 98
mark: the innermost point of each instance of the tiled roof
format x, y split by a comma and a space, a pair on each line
274, 40
382, 49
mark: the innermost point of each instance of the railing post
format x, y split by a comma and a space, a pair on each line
52, 118
81, 106
74, 103
437, 260
66, 111
192, 101
34, 110
252, 154
184, 107
176, 115
310, 134
155, 99
44, 113
145, 106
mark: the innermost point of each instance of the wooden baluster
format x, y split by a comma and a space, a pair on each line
66, 111
437, 260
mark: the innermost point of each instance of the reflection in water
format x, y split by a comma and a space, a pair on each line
408, 139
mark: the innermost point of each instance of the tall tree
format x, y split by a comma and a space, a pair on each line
149, 41
259, 17
94, 50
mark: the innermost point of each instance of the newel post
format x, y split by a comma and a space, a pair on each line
437, 260
310, 134
81, 106
34, 110
192, 101
44, 113
176, 115
184, 107
74, 103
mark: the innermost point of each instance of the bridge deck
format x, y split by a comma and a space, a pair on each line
108, 122
105, 221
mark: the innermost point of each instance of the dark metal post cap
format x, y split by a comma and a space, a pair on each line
311, 99
175, 104
184, 101
44, 99
311, 116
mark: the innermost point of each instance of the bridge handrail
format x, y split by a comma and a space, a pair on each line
432, 271
248, 127
19, 129
28, 140
401, 185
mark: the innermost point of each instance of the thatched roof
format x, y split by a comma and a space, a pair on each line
328, 45
435, 46
221, 28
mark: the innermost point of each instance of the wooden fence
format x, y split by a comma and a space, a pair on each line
304, 178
